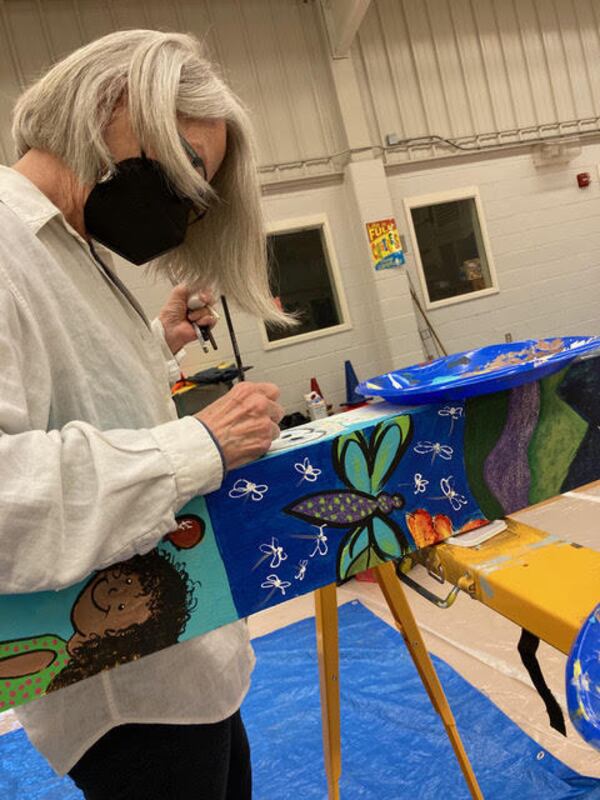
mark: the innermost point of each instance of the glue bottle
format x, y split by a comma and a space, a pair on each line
315, 406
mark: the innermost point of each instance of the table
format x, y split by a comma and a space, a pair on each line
537, 580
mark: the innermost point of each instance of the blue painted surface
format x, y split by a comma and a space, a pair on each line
450, 378
263, 520
255, 550
583, 680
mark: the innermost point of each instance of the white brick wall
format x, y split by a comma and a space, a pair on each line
369, 194
545, 239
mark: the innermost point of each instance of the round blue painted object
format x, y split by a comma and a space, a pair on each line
583, 680
482, 371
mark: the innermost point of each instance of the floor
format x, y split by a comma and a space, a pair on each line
478, 643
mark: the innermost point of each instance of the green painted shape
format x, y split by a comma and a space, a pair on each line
485, 418
354, 556
358, 554
355, 464
365, 560
387, 449
389, 444
385, 538
16, 691
555, 441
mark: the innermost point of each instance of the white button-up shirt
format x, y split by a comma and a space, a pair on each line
94, 464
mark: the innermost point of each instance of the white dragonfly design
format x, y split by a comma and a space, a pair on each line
421, 483
299, 576
274, 551
454, 412
308, 472
274, 582
245, 488
456, 500
320, 540
436, 449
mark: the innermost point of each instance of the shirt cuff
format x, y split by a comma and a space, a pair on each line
196, 460
173, 361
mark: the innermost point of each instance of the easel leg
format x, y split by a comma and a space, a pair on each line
327, 648
406, 623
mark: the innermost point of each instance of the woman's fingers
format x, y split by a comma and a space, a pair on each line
203, 316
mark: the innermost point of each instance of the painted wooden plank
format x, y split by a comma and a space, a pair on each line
333, 498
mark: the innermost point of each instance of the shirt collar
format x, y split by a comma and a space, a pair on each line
30, 204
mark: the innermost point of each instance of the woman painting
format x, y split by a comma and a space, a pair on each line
130, 145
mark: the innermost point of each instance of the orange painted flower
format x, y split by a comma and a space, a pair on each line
442, 526
427, 530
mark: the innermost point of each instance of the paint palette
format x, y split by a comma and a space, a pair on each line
482, 371
583, 680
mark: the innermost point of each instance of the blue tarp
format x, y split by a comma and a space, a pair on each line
394, 745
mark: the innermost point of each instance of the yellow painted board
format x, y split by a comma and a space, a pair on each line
540, 582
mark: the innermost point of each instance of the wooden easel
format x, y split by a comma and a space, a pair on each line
328, 652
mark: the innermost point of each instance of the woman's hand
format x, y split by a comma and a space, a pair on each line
244, 421
177, 317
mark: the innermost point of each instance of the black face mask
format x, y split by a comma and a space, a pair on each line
136, 212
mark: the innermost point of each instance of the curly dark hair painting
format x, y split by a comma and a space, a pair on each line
171, 603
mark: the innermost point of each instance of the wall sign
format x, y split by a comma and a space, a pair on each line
386, 247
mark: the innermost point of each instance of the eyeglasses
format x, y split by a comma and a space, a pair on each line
196, 213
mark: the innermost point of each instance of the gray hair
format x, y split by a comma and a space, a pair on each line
162, 76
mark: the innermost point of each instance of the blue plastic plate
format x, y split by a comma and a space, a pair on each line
474, 372
583, 680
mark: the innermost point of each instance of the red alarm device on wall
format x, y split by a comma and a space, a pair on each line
583, 179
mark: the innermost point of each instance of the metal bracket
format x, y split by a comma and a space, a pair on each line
437, 573
440, 602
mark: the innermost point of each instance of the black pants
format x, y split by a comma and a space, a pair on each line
168, 762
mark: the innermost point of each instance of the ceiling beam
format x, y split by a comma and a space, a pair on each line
343, 19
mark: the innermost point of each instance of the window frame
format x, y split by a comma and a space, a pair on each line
467, 193
306, 223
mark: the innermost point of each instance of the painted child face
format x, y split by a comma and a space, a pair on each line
112, 601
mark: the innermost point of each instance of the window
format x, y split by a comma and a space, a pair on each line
451, 247
305, 280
